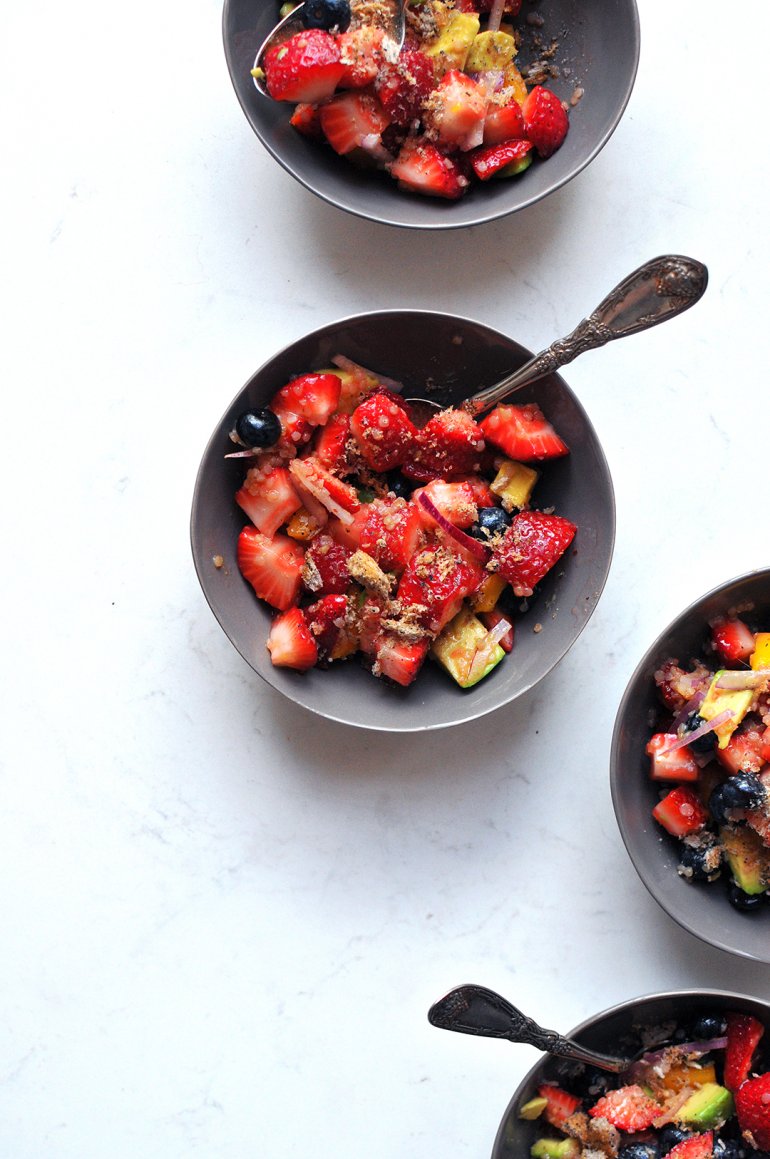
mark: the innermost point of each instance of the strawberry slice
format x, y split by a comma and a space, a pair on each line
560, 1104
752, 1105
435, 583
743, 1035
355, 120
545, 121
681, 812
530, 547
455, 113
306, 121
448, 446
296, 432
746, 751
306, 67
404, 85
290, 642
392, 533
361, 54
421, 168
503, 123
314, 397
696, 1147
337, 496
399, 660
325, 570
455, 501
269, 500
679, 765
523, 433
732, 639
627, 1108
383, 430
272, 566
327, 620
331, 443
507, 159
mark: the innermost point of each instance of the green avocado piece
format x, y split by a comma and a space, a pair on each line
707, 1108
555, 1149
463, 649
533, 1108
718, 700
748, 858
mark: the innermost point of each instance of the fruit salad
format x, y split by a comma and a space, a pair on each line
704, 1093
710, 757
370, 535
449, 110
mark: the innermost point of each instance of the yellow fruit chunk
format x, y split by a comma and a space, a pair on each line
533, 1109
302, 526
689, 1075
719, 700
486, 596
514, 86
356, 384
514, 484
451, 47
760, 657
464, 650
490, 50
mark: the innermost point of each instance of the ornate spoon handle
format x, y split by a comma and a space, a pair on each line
658, 290
473, 1009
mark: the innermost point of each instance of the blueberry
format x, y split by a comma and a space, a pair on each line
708, 1027
670, 1136
704, 744
647, 1150
729, 1149
258, 428
399, 485
492, 521
699, 862
746, 791
745, 902
326, 14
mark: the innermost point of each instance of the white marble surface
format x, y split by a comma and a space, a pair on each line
223, 919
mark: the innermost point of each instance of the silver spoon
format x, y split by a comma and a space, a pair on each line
657, 291
473, 1009
293, 23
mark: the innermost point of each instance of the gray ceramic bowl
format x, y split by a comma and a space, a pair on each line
414, 347
598, 50
703, 910
604, 1032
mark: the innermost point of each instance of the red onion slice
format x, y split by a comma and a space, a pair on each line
679, 742
486, 647
692, 705
478, 550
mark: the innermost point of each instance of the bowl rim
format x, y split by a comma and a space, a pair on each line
451, 318
627, 835
707, 993
348, 205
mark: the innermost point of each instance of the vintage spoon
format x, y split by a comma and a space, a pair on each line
293, 22
657, 291
473, 1009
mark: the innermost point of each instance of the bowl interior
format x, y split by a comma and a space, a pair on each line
598, 51
605, 1032
704, 911
460, 356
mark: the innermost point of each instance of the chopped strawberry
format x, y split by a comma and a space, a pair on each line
421, 168
337, 497
491, 619
681, 812
695, 1147
530, 547
483, 495
383, 431
306, 67
269, 501
752, 1104
314, 397
327, 620
746, 751
355, 120
435, 583
404, 85
392, 533
450, 445
290, 642
454, 114
627, 1108
331, 443
523, 433
370, 629
503, 123
732, 639
325, 570
305, 120
272, 566
679, 765
743, 1035
296, 432
455, 501
400, 660
348, 533
560, 1104
545, 121
507, 159
361, 54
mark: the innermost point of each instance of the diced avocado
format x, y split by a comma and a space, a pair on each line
760, 657
555, 1149
533, 1108
451, 47
707, 1108
514, 484
463, 649
515, 167
748, 858
718, 700
490, 50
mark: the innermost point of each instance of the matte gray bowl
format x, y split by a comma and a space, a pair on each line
462, 356
605, 1032
598, 51
702, 909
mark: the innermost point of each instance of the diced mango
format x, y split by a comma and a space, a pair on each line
302, 526
451, 47
488, 593
514, 85
490, 50
514, 484
689, 1075
761, 655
